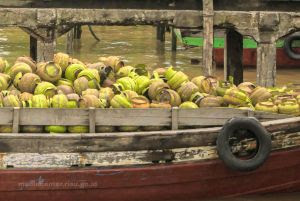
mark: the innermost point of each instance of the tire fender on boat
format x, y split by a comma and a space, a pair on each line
263, 138
288, 46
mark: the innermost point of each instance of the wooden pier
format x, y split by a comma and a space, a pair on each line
265, 21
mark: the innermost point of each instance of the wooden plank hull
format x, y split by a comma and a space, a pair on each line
249, 58
184, 181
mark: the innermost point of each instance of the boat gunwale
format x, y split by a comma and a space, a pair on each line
173, 117
267, 124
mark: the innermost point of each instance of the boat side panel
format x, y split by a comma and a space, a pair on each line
158, 182
249, 58
280, 140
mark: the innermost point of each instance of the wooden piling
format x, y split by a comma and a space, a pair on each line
33, 48
77, 32
70, 41
208, 37
161, 32
225, 57
45, 50
234, 55
41, 50
174, 40
266, 64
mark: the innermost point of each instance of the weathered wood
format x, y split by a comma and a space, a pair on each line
72, 143
161, 32
70, 41
268, 116
6, 116
251, 113
174, 118
11, 17
174, 40
234, 54
45, 50
218, 116
278, 142
47, 34
60, 160
208, 116
208, 37
282, 124
77, 32
133, 117
147, 140
104, 4
16, 120
30, 143
113, 158
270, 5
245, 22
33, 48
49, 18
266, 64
225, 65
53, 116
92, 120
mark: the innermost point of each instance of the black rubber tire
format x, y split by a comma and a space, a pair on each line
288, 46
263, 139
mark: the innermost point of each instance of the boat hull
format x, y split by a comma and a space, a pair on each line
187, 181
249, 58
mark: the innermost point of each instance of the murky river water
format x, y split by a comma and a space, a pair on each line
135, 44
138, 45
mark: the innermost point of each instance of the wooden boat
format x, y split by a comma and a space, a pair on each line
195, 39
249, 58
172, 164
